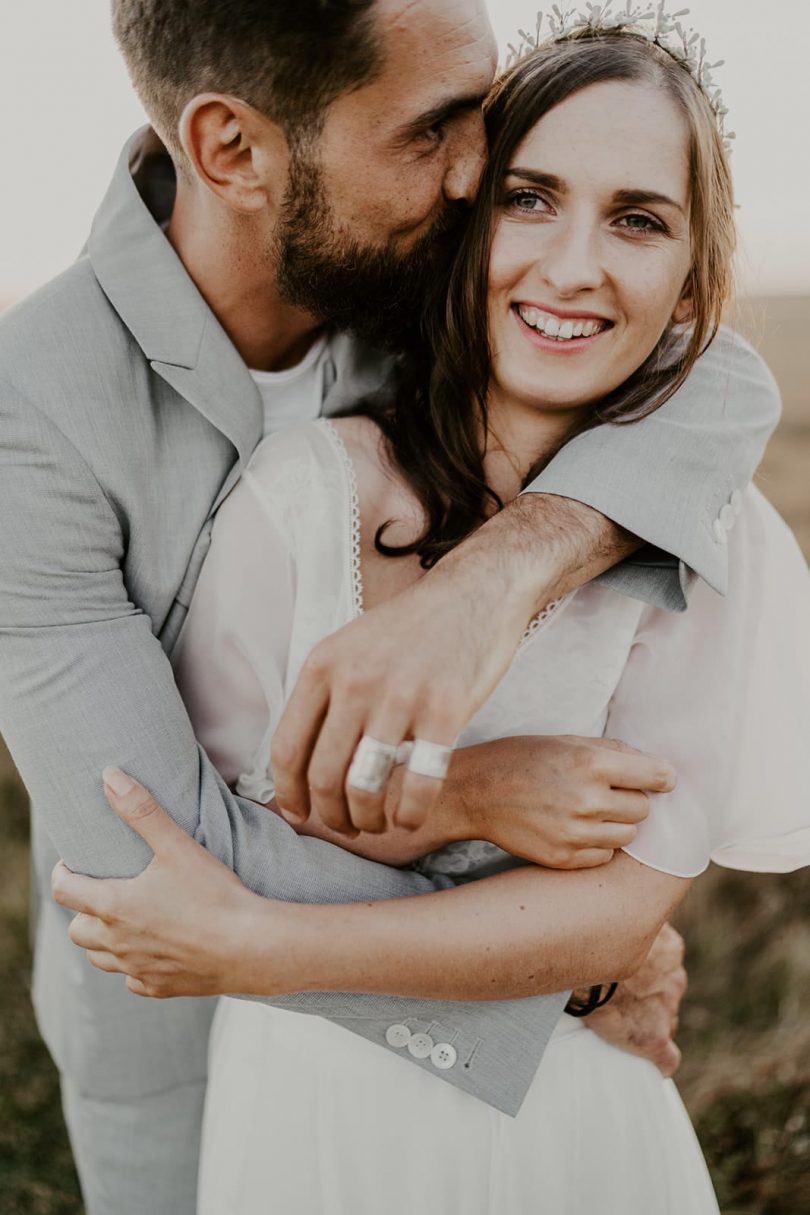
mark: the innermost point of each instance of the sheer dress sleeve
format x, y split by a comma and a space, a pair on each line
231, 656
724, 693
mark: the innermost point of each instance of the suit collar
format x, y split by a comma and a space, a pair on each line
152, 292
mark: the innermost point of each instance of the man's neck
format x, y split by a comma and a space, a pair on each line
229, 261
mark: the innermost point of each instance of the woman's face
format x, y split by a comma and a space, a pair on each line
591, 247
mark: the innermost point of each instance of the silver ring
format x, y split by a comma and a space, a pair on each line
429, 759
371, 765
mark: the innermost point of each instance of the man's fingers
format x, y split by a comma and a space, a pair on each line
332, 756
139, 810
294, 741
439, 725
635, 770
388, 725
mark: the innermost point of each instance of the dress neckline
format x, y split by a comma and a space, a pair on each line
356, 566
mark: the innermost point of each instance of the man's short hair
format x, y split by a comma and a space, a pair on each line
287, 58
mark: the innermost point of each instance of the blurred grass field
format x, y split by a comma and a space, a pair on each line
745, 1029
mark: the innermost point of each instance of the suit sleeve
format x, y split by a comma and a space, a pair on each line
85, 683
668, 477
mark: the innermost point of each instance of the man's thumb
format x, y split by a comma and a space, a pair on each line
136, 806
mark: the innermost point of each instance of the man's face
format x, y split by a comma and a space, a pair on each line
374, 198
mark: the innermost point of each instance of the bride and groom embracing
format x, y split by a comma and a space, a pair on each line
373, 576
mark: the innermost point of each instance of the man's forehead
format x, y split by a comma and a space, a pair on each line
442, 50
437, 27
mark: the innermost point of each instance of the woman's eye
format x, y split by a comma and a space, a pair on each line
527, 202
638, 222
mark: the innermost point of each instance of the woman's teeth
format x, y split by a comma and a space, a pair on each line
553, 327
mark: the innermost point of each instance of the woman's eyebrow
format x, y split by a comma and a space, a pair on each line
638, 198
627, 198
547, 180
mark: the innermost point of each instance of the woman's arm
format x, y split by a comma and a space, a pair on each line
527, 932
186, 926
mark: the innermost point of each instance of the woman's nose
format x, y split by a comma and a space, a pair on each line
571, 260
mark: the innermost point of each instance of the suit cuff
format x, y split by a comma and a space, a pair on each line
682, 537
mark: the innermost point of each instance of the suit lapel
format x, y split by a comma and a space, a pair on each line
151, 291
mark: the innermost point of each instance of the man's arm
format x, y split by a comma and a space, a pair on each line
85, 682
667, 478
421, 665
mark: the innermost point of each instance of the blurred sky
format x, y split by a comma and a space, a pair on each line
67, 107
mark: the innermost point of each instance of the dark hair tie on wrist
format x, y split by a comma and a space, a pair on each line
579, 1007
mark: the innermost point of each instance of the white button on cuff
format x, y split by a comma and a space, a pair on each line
398, 1036
421, 1046
735, 502
719, 532
728, 517
443, 1056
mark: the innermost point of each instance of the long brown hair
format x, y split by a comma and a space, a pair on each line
434, 423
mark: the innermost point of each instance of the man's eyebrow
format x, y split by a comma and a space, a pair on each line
444, 112
628, 198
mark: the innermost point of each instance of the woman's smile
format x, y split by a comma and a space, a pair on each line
590, 251
567, 334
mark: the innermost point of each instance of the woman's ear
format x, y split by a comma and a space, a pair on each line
685, 308
230, 147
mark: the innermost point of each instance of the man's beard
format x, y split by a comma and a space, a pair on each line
374, 293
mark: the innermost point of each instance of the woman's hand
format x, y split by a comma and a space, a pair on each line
559, 801
182, 927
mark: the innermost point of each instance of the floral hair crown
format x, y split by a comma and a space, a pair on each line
683, 45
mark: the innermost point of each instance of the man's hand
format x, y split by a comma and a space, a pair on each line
420, 665
642, 1017
173, 930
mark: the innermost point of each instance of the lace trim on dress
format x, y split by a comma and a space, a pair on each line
542, 617
354, 498
534, 624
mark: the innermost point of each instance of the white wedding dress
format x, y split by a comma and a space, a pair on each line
303, 1118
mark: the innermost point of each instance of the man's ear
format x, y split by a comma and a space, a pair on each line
235, 152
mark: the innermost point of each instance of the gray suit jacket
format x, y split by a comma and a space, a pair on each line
126, 416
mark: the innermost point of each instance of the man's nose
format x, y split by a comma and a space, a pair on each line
467, 160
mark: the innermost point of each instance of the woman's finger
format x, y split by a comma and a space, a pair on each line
88, 932
635, 770
625, 806
105, 961
607, 835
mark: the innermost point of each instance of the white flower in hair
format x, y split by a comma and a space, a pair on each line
649, 21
